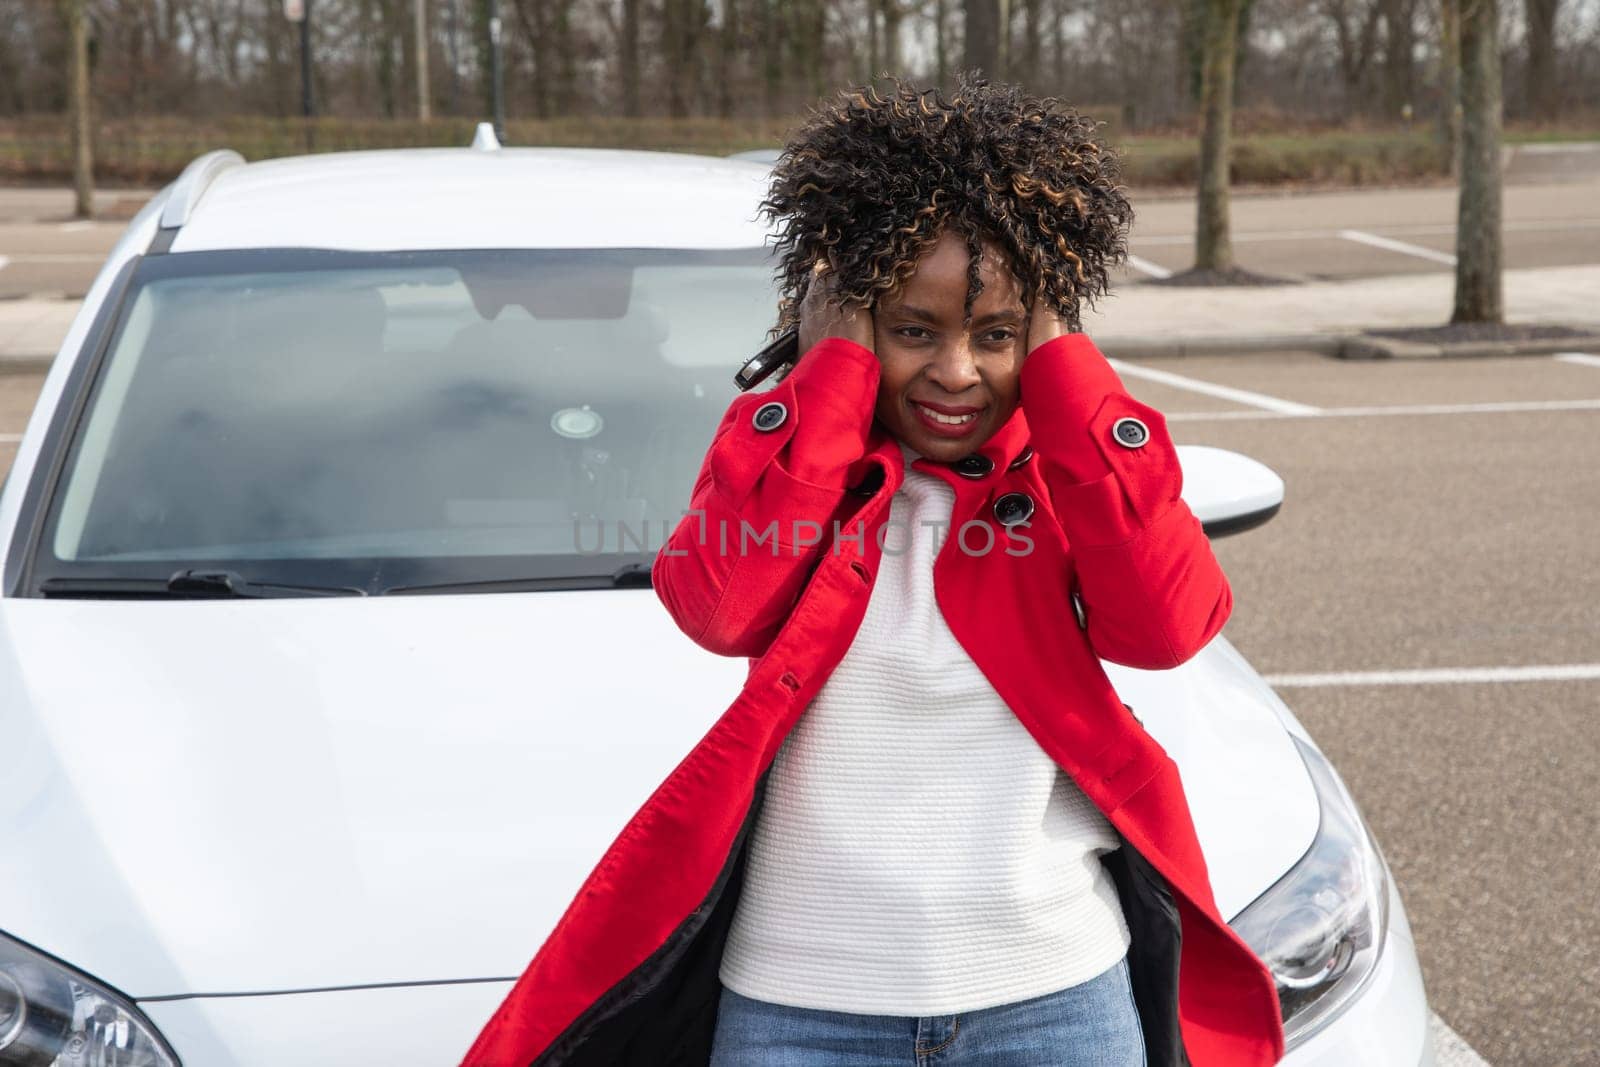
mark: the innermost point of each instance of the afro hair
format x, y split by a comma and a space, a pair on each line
869, 183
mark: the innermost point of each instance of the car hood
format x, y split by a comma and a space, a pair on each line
262, 795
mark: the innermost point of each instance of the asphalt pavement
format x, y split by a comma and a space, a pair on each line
1428, 603
1428, 600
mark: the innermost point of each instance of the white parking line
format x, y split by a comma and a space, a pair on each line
1448, 1048
1568, 672
1391, 245
10, 438
3, 262
1581, 358
1144, 266
1495, 407
1411, 229
74, 227
1224, 392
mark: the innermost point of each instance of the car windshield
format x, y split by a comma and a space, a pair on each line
384, 420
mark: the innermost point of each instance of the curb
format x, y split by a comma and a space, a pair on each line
1322, 344
1354, 346
1361, 346
25, 364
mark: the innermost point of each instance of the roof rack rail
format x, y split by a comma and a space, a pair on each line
192, 185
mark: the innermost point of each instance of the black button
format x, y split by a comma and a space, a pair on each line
1022, 457
974, 466
1130, 433
769, 416
1013, 508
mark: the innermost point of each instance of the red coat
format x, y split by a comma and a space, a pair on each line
1111, 564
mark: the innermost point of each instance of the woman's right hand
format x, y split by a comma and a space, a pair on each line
821, 316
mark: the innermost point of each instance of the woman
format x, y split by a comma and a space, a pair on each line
926, 831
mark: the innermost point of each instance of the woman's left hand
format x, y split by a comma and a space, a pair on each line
1044, 325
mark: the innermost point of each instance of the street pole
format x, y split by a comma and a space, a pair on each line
497, 75
424, 105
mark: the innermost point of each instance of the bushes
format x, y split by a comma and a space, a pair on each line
151, 151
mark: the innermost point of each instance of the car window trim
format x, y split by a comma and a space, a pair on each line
64, 420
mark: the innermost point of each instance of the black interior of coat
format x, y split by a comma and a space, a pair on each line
664, 1013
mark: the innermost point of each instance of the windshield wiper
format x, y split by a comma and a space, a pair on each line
190, 583
630, 576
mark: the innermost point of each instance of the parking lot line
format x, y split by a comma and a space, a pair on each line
10, 438
3, 262
1391, 245
1580, 358
1223, 392
1415, 229
1448, 1048
1566, 672
1144, 266
1492, 407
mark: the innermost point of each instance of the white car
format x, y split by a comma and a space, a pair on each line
328, 667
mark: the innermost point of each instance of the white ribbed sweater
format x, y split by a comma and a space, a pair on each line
918, 853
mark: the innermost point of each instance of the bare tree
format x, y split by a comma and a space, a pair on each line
1355, 25
771, 16
628, 58
1478, 231
1449, 118
727, 56
1399, 55
1540, 75
682, 28
982, 25
1213, 234
75, 13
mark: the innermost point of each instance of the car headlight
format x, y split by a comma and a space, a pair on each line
1321, 926
52, 1016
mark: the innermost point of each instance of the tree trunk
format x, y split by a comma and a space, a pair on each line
1478, 238
872, 42
772, 56
727, 57
1540, 82
1399, 56
421, 36
1191, 51
77, 17
566, 62
982, 46
681, 35
1450, 82
1032, 30
1213, 235
628, 58
893, 15
533, 16
941, 47
809, 36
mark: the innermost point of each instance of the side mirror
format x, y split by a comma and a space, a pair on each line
1228, 492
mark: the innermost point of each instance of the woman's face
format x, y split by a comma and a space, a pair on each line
945, 390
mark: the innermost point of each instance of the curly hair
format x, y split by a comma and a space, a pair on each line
872, 182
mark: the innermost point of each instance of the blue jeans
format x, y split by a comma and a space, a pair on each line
1091, 1024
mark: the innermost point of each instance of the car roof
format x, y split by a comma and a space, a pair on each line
435, 198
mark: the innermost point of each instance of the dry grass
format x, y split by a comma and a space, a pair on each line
151, 151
